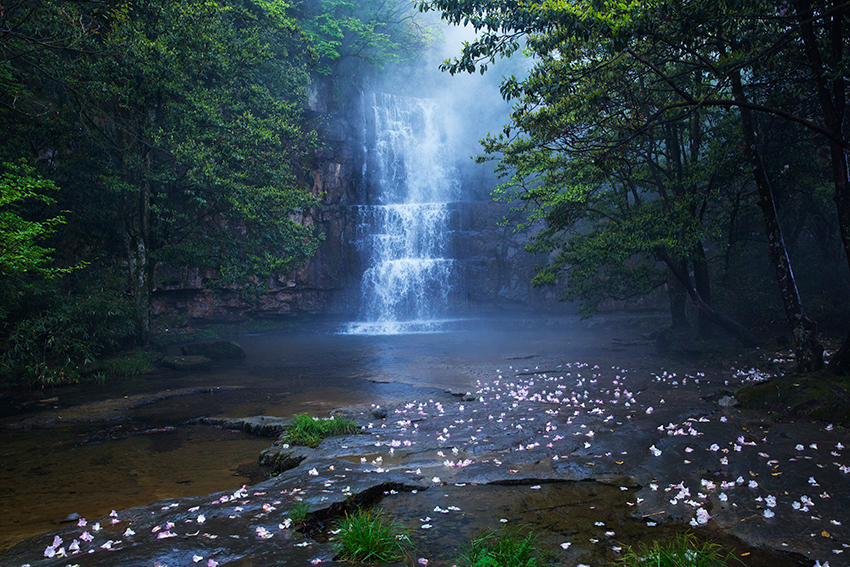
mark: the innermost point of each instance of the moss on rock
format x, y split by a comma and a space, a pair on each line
817, 396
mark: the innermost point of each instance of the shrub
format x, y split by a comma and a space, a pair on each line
502, 548
130, 363
681, 551
299, 512
59, 342
370, 537
310, 431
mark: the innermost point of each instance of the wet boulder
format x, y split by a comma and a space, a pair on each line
187, 363
258, 425
727, 402
219, 350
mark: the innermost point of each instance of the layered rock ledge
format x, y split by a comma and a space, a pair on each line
671, 453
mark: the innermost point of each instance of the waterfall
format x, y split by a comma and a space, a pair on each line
410, 283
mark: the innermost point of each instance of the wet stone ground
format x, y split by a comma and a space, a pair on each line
592, 458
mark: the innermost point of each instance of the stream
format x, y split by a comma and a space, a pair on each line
93, 460
127, 444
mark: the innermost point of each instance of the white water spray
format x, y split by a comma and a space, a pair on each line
410, 284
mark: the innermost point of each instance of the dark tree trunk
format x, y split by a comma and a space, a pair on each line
701, 280
832, 95
726, 323
678, 299
807, 346
138, 260
137, 234
840, 363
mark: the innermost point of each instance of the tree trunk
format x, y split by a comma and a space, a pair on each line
137, 214
807, 346
138, 262
840, 363
677, 296
832, 95
701, 280
726, 323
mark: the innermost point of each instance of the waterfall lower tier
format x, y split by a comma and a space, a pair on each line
410, 285
404, 295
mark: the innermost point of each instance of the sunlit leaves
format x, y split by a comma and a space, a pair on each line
20, 251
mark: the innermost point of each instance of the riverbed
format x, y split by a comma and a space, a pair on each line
92, 459
548, 402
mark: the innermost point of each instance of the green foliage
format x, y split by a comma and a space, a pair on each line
59, 343
373, 32
36, 34
177, 133
369, 536
21, 189
613, 194
681, 551
310, 431
277, 11
299, 511
622, 154
213, 154
129, 363
502, 548
175, 130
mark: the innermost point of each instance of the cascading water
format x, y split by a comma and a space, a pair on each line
410, 283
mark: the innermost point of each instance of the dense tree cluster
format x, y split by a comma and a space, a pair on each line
140, 135
657, 144
647, 133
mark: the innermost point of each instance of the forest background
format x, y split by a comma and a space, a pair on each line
693, 147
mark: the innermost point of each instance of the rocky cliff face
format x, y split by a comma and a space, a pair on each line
328, 282
496, 270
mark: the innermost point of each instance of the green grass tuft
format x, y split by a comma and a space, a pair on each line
681, 551
371, 537
299, 512
310, 431
502, 548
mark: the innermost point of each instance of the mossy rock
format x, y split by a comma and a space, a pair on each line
820, 396
187, 363
219, 350
258, 425
282, 459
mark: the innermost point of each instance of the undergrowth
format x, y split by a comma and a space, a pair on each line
299, 511
60, 340
502, 548
133, 363
681, 551
310, 431
369, 536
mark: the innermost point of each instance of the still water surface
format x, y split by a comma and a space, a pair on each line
136, 456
